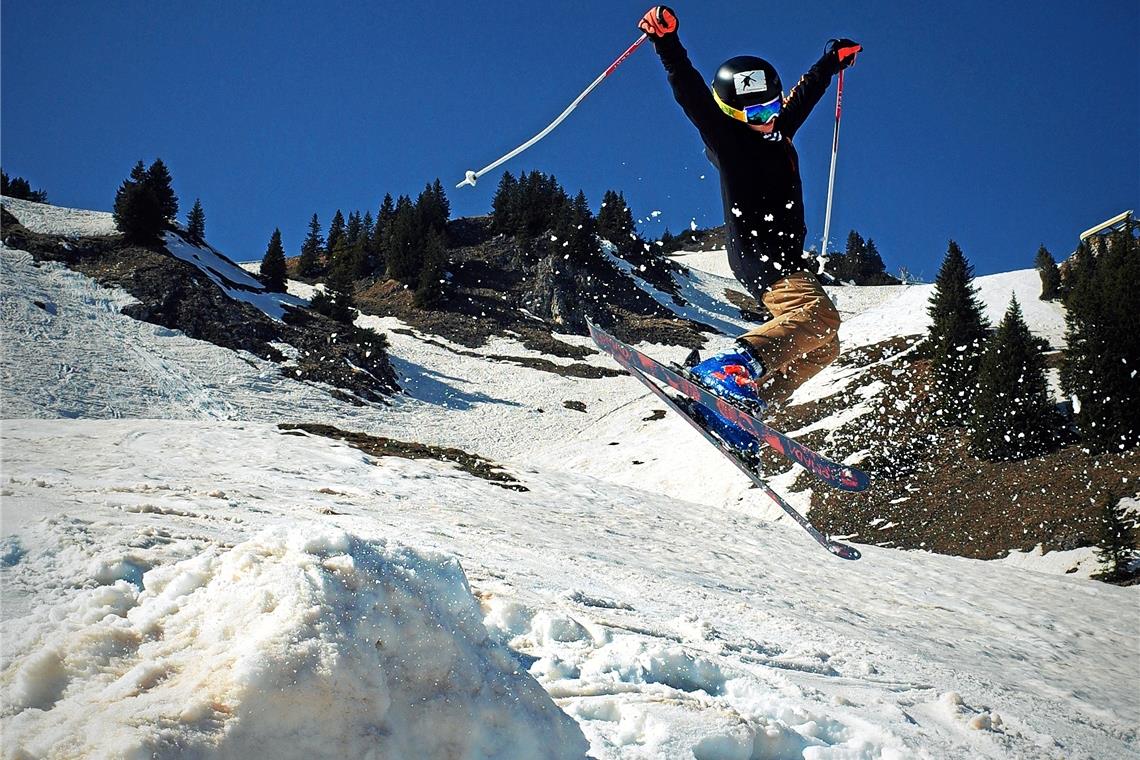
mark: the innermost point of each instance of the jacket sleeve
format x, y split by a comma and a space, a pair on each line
689, 89
807, 92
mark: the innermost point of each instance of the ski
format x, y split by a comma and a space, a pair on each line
837, 475
746, 465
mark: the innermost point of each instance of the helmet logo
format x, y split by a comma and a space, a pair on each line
750, 81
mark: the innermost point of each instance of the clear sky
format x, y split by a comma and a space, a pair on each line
1001, 125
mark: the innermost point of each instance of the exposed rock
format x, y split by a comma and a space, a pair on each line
179, 296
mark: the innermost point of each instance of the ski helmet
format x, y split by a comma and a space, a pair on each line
748, 89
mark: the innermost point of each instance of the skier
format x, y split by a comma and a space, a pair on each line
747, 126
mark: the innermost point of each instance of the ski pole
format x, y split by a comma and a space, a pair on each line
472, 176
831, 179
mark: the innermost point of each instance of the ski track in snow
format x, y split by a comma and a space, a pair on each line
656, 599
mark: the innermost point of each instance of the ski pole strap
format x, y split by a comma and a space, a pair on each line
472, 176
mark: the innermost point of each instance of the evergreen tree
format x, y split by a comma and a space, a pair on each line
431, 290
367, 229
872, 270
615, 222
158, 177
336, 232
310, 262
432, 209
138, 212
580, 229
1013, 416
1116, 549
384, 218
21, 189
139, 174
1050, 275
335, 300
957, 332
505, 217
196, 223
404, 249
860, 263
353, 229
1101, 369
273, 272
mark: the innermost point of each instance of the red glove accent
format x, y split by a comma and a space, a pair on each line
658, 21
848, 52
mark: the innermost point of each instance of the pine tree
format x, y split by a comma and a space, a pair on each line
139, 174
431, 290
580, 229
432, 209
196, 223
352, 228
1050, 275
138, 212
872, 270
957, 332
1013, 416
615, 222
367, 228
273, 272
310, 262
380, 235
1102, 332
404, 244
335, 300
1116, 549
505, 217
336, 232
158, 177
20, 188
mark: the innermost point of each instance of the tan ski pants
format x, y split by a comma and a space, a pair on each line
801, 338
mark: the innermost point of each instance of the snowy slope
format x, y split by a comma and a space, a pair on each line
173, 541
662, 627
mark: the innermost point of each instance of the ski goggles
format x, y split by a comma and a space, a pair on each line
761, 113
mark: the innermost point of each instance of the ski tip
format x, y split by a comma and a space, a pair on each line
843, 551
851, 480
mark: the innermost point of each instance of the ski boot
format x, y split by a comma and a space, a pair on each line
732, 375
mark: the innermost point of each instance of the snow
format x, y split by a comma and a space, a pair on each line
295, 642
180, 578
236, 281
55, 220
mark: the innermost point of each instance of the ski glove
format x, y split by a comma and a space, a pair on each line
658, 22
842, 51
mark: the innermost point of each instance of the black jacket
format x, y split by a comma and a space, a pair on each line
759, 177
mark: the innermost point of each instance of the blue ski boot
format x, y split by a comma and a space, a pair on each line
731, 375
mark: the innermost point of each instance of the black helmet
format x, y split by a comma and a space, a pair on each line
748, 89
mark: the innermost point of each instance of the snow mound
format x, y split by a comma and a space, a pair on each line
296, 643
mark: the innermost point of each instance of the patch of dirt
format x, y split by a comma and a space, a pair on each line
378, 446
928, 491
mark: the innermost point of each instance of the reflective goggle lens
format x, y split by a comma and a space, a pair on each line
763, 113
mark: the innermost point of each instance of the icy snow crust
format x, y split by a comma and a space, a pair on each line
179, 578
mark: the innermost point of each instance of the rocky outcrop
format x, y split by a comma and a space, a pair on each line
177, 295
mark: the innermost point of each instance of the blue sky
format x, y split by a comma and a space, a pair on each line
1001, 126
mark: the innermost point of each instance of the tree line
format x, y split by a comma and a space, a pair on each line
992, 382
20, 188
